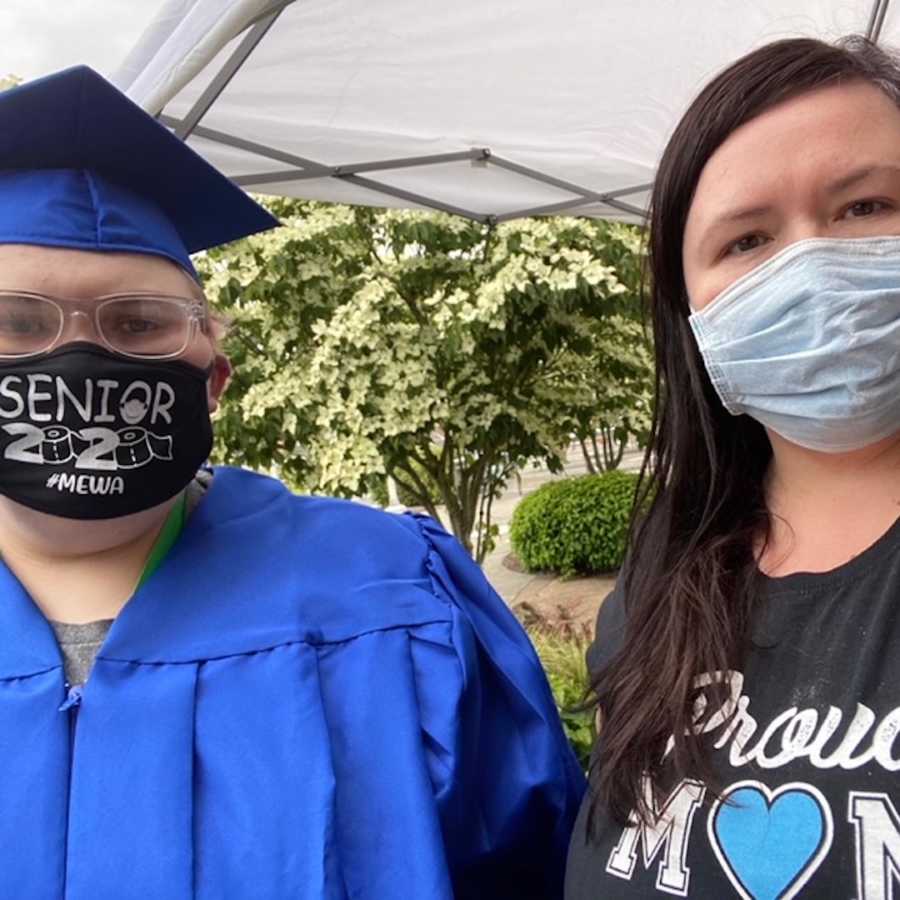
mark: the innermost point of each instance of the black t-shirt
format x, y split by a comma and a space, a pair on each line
809, 764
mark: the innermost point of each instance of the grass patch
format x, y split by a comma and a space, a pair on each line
561, 647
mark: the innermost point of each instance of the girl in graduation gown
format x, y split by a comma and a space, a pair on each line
302, 698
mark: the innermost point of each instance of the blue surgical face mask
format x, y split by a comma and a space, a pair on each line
808, 343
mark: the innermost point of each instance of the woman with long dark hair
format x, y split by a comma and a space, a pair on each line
746, 669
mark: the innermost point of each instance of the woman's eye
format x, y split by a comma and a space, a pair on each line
745, 244
863, 208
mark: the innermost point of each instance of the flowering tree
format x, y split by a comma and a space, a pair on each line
618, 372
442, 352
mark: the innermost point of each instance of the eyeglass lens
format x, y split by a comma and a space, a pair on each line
134, 326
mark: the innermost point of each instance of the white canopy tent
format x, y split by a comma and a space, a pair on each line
492, 109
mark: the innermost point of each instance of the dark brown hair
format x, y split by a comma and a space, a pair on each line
689, 581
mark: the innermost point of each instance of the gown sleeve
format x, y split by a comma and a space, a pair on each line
508, 785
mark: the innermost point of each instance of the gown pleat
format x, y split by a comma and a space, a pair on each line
263, 764
34, 752
385, 805
130, 831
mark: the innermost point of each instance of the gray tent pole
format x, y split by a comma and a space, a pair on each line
230, 140
228, 71
580, 192
565, 206
381, 188
408, 162
876, 19
305, 169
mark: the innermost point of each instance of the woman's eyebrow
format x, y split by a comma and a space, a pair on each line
849, 180
731, 217
861, 173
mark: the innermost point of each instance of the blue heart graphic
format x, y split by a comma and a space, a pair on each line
769, 847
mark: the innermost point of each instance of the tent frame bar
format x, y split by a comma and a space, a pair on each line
305, 169
320, 171
580, 192
568, 206
234, 62
347, 172
876, 19
408, 162
420, 199
239, 143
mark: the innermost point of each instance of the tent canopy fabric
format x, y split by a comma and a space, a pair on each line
488, 109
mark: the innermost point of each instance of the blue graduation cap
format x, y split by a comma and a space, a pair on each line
83, 166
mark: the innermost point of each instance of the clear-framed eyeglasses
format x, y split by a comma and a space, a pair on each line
139, 325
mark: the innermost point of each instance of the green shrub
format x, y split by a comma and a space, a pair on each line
562, 654
576, 525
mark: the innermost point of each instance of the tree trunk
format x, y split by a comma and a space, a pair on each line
485, 514
589, 465
461, 485
613, 449
393, 496
407, 478
599, 462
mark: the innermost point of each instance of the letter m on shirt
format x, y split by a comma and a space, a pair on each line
877, 825
665, 837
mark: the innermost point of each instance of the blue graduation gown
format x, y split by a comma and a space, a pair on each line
309, 699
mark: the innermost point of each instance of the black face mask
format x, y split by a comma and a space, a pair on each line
86, 434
